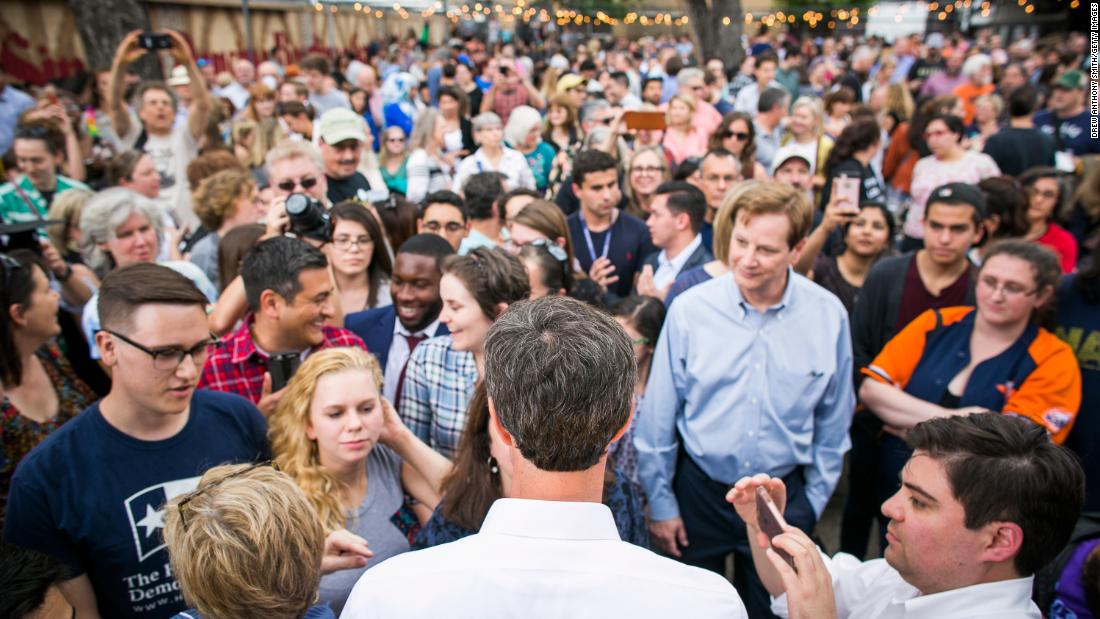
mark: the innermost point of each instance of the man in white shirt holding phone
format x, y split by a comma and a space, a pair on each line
986, 501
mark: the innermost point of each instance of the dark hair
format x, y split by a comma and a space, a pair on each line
772, 98
481, 192
561, 376
398, 217
953, 123
126, 289
18, 288
381, 267
1031, 175
449, 70
891, 223
121, 166
443, 196
1006, 468
1022, 101
1087, 280
683, 197
840, 95
1090, 577
492, 276
315, 62
457, 95
293, 108
429, 245
857, 136
42, 130
652, 78
767, 56
1046, 268
645, 314
620, 77
507, 196
1005, 199
212, 161
556, 274
748, 153
589, 162
276, 264
25, 578
232, 248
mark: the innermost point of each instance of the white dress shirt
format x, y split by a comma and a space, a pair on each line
874, 590
535, 559
668, 269
399, 356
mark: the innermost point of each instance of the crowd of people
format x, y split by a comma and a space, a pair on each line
525, 329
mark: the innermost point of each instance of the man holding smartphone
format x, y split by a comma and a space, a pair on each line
986, 501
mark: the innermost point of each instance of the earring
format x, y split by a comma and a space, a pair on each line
493, 468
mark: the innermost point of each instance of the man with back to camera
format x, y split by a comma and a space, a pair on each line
986, 501
289, 292
1020, 145
752, 372
676, 214
444, 214
414, 315
551, 549
486, 226
342, 134
895, 291
91, 494
768, 122
610, 244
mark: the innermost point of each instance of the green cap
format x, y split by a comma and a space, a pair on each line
1071, 79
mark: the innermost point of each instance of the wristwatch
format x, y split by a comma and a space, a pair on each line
64, 277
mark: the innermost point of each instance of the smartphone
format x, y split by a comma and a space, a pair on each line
282, 368
771, 521
645, 121
154, 41
847, 187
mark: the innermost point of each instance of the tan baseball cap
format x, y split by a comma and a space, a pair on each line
341, 124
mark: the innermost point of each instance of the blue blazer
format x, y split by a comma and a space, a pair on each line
698, 258
375, 326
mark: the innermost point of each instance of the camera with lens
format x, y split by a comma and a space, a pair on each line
308, 217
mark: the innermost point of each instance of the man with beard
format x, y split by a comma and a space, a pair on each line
414, 315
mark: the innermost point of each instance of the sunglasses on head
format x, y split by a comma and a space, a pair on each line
305, 183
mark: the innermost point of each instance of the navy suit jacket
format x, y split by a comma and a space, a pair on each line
698, 258
375, 327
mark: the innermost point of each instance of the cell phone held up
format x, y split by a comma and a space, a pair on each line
847, 189
282, 368
771, 521
154, 41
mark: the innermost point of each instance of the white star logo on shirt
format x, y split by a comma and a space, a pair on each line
152, 521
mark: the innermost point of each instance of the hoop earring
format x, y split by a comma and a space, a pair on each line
493, 468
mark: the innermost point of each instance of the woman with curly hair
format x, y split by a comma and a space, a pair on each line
348, 451
222, 202
737, 134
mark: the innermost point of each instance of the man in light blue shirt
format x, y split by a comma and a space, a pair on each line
13, 102
752, 374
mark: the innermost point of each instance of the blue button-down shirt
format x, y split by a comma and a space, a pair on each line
13, 102
748, 392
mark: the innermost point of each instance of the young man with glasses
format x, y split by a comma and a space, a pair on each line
92, 494
289, 292
444, 214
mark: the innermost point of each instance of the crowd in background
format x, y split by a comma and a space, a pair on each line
811, 252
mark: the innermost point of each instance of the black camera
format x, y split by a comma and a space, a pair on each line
308, 218
154, 41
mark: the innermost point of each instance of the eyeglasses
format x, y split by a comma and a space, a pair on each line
1043, 193
646, 169
168, 359
344, 243
305, 183
740, 136
1010, 289
451, 227
181, 506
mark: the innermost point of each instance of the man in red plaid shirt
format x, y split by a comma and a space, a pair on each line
289, 294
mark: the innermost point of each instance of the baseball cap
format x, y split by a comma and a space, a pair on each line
785, 154
958, 193
1070, 80
569, 82
935, 41
179, 76
341, 124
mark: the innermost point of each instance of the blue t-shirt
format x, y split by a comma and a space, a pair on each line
1079, 326
627, 249
1070, 134
93, 497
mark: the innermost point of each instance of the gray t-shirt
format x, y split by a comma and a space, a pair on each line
204, 254
376, 521
331, 100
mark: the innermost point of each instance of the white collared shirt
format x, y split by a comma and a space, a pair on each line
535, 559
399, 356
667, 269
874, 590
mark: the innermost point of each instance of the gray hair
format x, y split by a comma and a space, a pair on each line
689, 73
560, 375
975, 63
485, 120
424, 129
101, 217
863, 52
589, 109
294, 150
519, 124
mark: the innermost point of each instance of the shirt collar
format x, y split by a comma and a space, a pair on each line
784, 301
241, 347
677, 263
429, 331
1005, 595
563, 520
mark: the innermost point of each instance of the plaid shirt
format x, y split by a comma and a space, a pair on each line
237, 366
439, 382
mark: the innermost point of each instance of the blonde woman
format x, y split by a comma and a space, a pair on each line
646, 170
806, 133
683, 139
392, 158
346, 448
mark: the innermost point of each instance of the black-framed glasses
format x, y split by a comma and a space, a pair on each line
182, 505
168, 359
344, 243
305, 183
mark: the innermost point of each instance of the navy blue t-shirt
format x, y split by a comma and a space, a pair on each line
1070, 134
93, 497
630, 245
1079, 326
